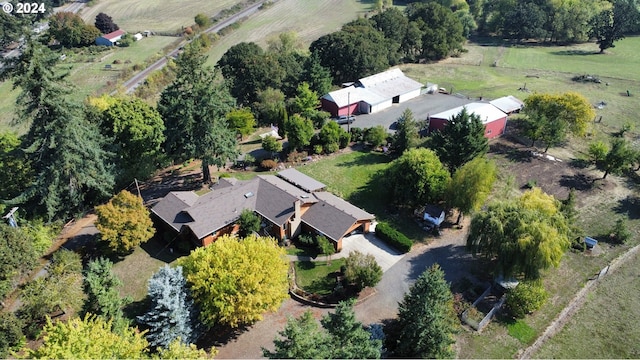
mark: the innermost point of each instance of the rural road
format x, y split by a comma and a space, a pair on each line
131, 84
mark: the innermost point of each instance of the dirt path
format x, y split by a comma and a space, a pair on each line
68, 231
574, 305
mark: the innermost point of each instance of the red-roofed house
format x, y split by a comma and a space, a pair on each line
110, 39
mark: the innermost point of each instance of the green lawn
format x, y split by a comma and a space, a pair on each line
315, 276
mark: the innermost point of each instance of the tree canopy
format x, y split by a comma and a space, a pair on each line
341, 337
406, 136
611, 24
193, 108
17, 256
523, 236
618, 157
102, 288
242, 121
71, 31
234, 281
471, 184
124, 222
299, 131
362, 270
172, 315
426, 319
416, 178
105, 23
461, 140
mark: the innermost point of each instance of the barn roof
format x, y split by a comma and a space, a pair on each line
485, 111
508, 104
374, 89
115, 35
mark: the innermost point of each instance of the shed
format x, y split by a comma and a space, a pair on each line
590, 242
508, 104
110, 39
137, 37
494, 120
433, 214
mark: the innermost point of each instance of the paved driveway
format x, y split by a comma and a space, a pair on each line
422, 107
385, 256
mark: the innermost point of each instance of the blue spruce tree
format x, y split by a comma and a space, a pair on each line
172, 313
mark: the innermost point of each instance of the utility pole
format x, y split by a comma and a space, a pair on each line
137, 188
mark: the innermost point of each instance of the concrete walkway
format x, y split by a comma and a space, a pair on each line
385, 256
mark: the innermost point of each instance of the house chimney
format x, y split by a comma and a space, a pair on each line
297, 211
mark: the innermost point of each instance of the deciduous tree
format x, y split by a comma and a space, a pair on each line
234, 281
306, 100
71, 31
91, 337
526, 298
172, 316
271, 144
611, 24
177, 350
417, 177
193, 108
461, 140
299, 131
362, 270
376, 136
124, 222
249, 223
619, 156
105, 23
426, 319
203, 21
441, 29
524, 236
17, 256
241, 121
471, 185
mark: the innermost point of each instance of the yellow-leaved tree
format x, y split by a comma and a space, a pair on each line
124, 222
234, 281
88, 338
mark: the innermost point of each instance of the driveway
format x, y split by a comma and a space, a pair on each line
385, 256
422, 107
447, 250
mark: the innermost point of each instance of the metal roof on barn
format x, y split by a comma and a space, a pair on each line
485, 111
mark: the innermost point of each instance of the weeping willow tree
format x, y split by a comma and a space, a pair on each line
523, 236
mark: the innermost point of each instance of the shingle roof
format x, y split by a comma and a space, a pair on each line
301, 180
485, 111
333, 216
169, 209
113, 35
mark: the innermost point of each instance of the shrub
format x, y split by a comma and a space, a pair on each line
362, 270
296, 156
526, 298
357, 134
317, 149
331, 148
620, 232
345, 139
268, 164
249, 160
393, 237
307, 240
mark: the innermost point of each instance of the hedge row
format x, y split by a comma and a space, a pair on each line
393, 237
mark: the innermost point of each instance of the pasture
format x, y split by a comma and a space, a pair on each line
310, 19
155, 15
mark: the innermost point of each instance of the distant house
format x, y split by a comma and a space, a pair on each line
508, 104
494, 120
111, 38
288, 204
371, 94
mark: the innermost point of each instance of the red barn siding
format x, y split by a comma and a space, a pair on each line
329, 106
491, 130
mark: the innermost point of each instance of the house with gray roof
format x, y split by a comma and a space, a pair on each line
288, 203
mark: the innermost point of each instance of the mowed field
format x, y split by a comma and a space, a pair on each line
310, 19
155, 15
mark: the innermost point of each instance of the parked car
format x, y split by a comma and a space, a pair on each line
344, 119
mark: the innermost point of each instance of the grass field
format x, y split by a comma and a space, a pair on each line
607, 325
89, 75
314, 277
310, 19
155, 15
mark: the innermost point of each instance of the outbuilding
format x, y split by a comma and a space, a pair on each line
508, 104
494, 120
111, 38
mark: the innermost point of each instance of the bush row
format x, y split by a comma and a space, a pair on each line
393, 237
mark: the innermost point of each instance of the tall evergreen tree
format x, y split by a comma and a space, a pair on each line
172, 314
349, 338
406, 136
301, 339
101, 286
461, 140
65, 150
193, 108
426, 318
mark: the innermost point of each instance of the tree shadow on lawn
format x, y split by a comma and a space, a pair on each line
160, 250
510, 152
579, 181
370, 157
629, 206
575, 52
454, 260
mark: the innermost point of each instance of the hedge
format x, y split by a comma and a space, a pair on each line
393, 237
